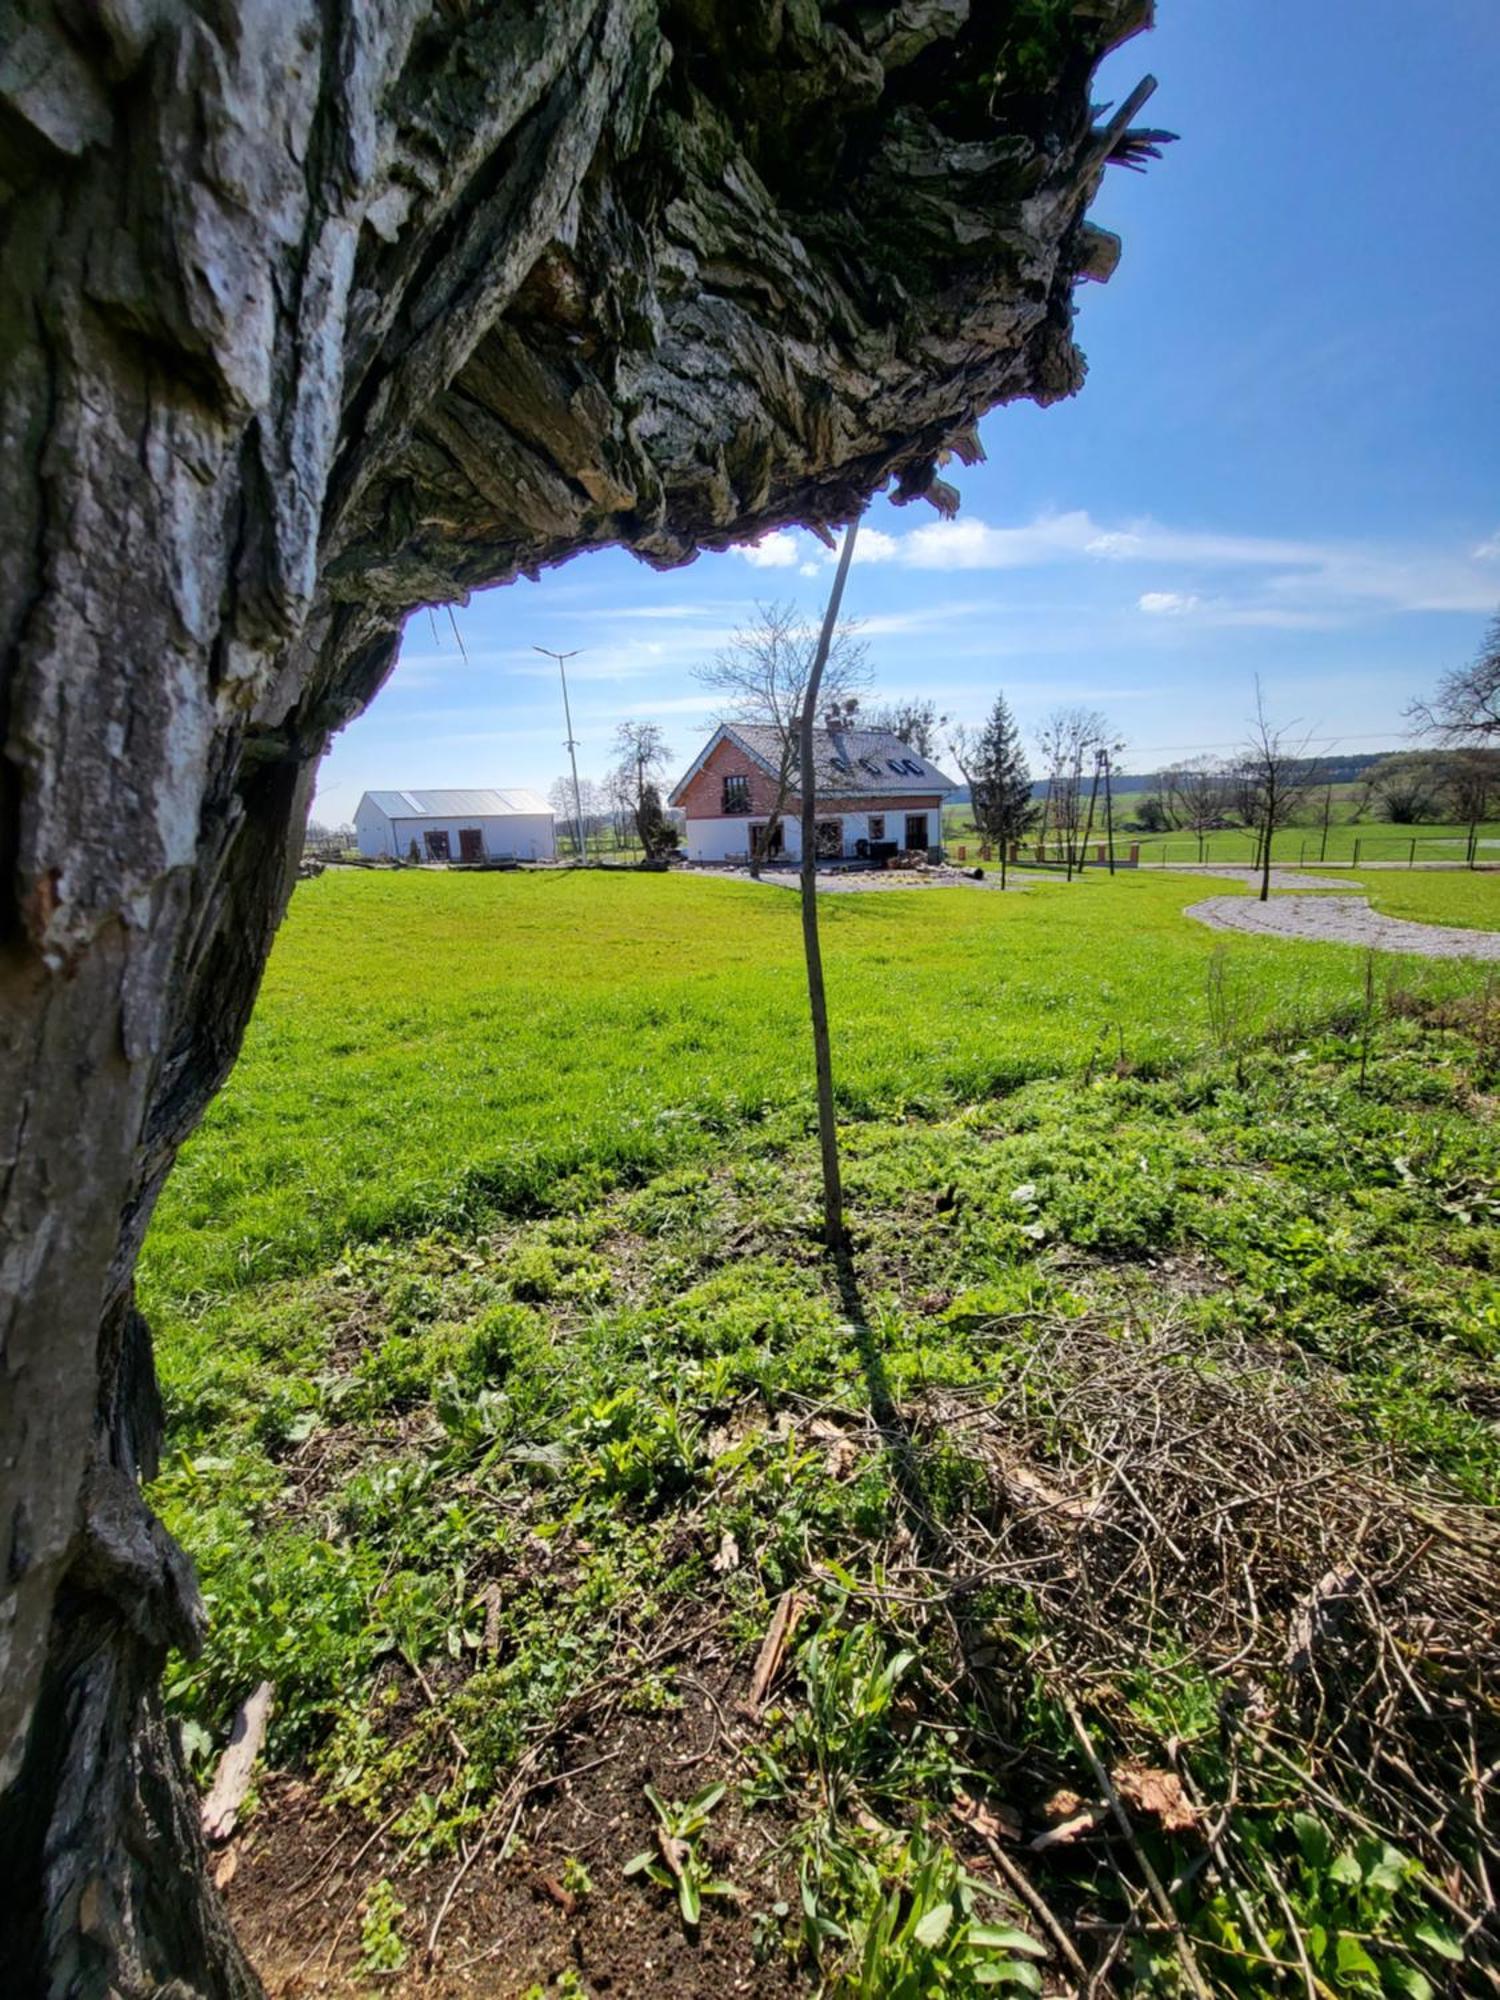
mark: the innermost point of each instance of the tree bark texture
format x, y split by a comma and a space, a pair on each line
311, 313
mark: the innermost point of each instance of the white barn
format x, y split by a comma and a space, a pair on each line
476, 825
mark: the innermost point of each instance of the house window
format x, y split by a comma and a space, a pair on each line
877, 826
869, 764
913, 766
736, 794
829, 842
894, 766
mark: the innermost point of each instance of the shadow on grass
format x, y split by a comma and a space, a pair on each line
895, 1428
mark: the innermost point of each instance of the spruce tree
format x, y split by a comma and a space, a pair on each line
1001, 782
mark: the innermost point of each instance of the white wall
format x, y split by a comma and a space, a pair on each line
729, 839
372, 831
513, 836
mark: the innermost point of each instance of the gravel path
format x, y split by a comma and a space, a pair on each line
865, 880
1346, 919
1281, 878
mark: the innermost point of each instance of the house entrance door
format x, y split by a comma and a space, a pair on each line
916, 832
437, 844
470, 843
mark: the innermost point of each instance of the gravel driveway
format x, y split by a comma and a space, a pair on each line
865, 880
1346, 919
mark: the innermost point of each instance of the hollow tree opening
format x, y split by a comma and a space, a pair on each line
309, 315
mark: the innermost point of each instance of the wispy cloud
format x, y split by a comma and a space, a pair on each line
1168, 603
1328, 579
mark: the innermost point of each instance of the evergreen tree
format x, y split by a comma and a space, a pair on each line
1000, 782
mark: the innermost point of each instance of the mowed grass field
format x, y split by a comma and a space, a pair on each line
429, 1046
510, 1397
1349, 841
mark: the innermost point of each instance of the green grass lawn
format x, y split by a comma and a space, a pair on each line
428, 1046
1375, 840
508, 1392
1471, 901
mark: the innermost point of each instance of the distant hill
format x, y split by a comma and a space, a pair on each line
1337, 768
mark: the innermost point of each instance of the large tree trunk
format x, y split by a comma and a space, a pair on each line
310, 313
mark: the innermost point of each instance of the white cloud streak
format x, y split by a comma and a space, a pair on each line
1282, 581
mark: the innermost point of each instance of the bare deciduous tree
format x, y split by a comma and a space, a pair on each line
1068, 740
1198, 795
762, 677
1273, 775
916, 723
643, 752
1465, 706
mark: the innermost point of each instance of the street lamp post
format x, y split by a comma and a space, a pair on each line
570, 746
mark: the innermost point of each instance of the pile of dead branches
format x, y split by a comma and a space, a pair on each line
1159, 1507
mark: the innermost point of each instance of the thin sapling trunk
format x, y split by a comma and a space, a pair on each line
817, 998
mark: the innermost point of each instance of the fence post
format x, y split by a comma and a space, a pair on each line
1355, 862
1411, 859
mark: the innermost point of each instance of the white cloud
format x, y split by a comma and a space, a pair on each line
1489, 551
966, 543
807, 569
777, 550
875, 546
1168, 603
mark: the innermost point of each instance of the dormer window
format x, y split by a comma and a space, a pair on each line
894, 765
913, 766
736, 797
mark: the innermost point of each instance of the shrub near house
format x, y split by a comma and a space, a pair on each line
875, 795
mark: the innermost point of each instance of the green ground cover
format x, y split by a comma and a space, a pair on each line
508, 1393
430, 1048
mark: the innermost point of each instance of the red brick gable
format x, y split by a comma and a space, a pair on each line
703, 797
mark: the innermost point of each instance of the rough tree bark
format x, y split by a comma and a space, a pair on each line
312, 311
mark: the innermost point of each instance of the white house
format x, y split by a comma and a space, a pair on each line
875, 796
478, 825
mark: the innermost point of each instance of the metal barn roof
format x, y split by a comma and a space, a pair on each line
477, 803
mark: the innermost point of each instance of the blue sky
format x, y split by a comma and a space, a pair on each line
1284, 461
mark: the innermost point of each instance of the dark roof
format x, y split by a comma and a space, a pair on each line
860, 763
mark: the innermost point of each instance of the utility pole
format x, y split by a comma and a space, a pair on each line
1088, 831
570, 746
1109, 813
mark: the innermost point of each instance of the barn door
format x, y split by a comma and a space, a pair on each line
470, 844
437, 844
